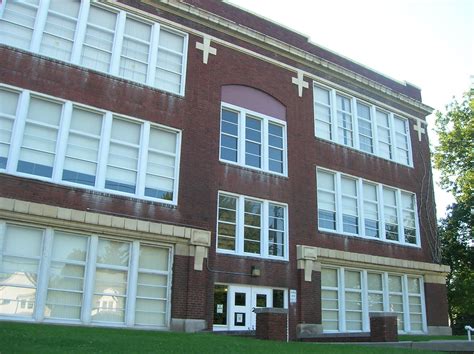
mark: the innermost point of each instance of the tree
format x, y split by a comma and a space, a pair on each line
454, 157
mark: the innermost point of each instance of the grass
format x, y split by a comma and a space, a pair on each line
41, 338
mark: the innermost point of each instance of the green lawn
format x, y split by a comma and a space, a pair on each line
428, 338
39, 338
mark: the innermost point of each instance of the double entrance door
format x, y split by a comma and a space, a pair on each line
242, 300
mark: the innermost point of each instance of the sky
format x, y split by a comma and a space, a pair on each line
428, 43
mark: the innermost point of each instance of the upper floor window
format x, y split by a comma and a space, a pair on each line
68, 143
251, 227
98, 37
354, 206
252, 138
356, 124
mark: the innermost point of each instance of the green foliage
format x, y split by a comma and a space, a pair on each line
454, 157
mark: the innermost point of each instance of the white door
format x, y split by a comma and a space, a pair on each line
240, 308
243, 299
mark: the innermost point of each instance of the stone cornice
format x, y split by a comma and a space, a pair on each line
267, 42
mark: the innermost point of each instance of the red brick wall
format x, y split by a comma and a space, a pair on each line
436, 304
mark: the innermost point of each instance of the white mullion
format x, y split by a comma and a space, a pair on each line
264, 231
386, 292
118, 41
89, 280
3, 5
360, 205
401, 228
132, 284
333, 110
423, 305
417, 223
39, 25
410, 151
365, 302
374, 125
338, 200
355, 124
285, 152
104, 150
265, 149
406, 305
79, 36
62, 139
142, 158
342, 300
43, 272
3, 230
381, 207
153, 57
239, 237
176, 167
391, 129
18, 130
241, 138
286, 234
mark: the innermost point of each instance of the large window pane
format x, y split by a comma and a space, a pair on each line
38, 149
66, 276
322, 113
17, 22
111, 279
169, 66
326, 200
350, 211
252, 226
20, 254
8, 107
344, 120
227, 225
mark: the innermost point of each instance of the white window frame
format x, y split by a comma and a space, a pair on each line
79, 36
364, 298
360, 205
334, 124
89, 278
264, 227
265, 146
61, 144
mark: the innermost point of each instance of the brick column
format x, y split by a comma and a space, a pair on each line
272, 324
383, 327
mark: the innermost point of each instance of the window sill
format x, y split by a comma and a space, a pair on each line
364, 238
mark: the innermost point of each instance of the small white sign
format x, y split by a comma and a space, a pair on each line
293, 296
240, 318
220, 308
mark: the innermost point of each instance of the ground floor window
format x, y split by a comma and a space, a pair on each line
349, 295
233, 305
58, 276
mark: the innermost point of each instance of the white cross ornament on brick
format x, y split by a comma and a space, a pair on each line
206, 48
299, 81
419, 128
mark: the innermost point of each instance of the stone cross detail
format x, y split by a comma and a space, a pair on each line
419, 128
299, 81
206, 48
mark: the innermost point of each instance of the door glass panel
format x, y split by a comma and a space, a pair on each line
239, 299
261, 300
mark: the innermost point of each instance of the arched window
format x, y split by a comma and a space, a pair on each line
253, 129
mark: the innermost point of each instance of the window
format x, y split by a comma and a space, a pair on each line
8, 109
364, 121
248, 226
344, 120
66, 143
353, 300
344, 308
59, 29
350, 219
395, 298
86, 279
353, 206
253, 140
98, 37
349, 121
402, 153
326, 200
384, 143
330, 299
